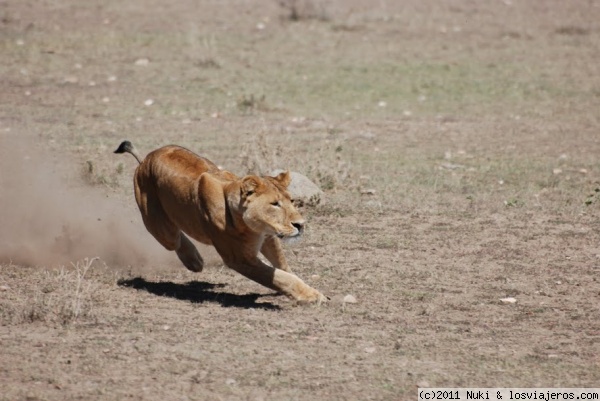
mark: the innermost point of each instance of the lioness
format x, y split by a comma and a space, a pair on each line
180, 192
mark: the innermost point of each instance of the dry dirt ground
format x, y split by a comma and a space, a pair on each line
458, 146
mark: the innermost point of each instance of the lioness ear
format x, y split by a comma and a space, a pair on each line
284, 178
249, 184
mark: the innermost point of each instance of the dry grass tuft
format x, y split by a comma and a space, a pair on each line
64, 295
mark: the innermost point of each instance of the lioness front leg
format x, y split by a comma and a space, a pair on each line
273, 251
279, 280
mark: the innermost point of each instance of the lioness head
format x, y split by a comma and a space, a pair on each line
268, 208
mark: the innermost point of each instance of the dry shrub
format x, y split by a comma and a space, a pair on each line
299, 10
63, 295
327, 166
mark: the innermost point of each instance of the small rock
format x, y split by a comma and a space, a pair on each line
557, 171
509, 300
166, 327
382, 104
314, 277
350, 299
4, 288
583, 171
142, 62
423, 384
230, 381
71, 80
149, 102
369, 350
302, 190
369, 191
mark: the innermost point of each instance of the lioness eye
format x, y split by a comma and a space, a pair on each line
276, 203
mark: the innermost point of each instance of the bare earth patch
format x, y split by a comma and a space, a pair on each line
458, 234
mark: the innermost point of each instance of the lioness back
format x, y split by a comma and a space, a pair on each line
171, 174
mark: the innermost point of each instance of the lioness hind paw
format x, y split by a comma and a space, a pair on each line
194, 264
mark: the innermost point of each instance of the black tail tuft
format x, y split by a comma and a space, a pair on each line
125, 147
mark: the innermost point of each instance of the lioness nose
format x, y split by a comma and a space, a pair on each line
299, 226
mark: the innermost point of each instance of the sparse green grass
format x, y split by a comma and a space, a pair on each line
477, 147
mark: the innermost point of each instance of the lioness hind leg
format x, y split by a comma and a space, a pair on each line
167, 233
189, 255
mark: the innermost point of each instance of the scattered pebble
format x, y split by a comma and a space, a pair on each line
260, 26
106, 99
27, 93
369, 350
20, 42
71, 80
230, 381
583, 171
92, 83
350, 299
423, 383
369, 191
509, 300
4, 288
166, 327
557, 171
382, 104
111, 78
149, 102
142, 62
315, 277
407, 113
186, 121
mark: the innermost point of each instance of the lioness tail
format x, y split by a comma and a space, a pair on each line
127, 147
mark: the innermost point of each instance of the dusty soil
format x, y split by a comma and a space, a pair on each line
457, 144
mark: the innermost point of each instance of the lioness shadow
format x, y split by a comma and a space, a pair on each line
198, 292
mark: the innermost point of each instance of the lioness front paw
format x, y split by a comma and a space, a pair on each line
311, 296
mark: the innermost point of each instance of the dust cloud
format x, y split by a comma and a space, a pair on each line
49, 220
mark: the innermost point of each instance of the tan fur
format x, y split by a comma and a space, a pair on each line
180, 192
